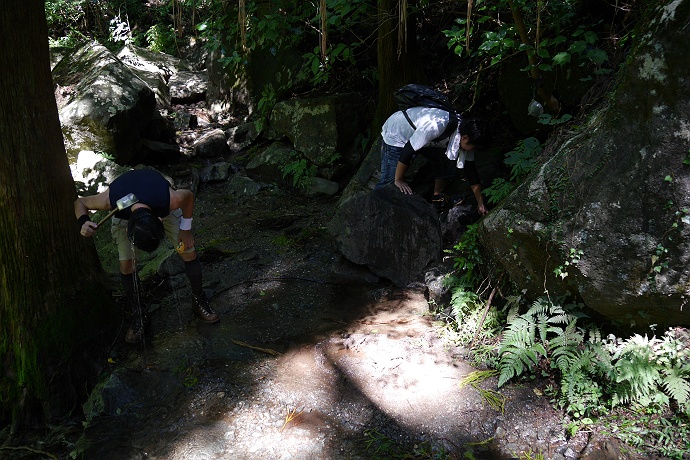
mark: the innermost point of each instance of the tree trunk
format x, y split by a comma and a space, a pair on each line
397, 60
546, 94
54, 295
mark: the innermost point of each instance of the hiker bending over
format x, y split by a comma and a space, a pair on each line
158, 211
407, 132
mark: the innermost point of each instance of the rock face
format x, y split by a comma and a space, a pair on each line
156, 69
322, 129
395, 235
105, 107
187, 87
607, 217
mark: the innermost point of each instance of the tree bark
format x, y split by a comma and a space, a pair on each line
397, 62
54, 295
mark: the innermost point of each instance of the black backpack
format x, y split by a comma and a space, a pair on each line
414, 95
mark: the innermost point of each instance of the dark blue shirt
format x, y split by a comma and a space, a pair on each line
148, 185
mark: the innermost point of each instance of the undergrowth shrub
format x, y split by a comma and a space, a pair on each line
647, 379
595, 372
299, 170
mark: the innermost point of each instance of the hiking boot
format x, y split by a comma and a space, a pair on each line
136, 330
203, 310
441, 202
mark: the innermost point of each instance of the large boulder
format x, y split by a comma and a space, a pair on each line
156, 69
105, 107
395, 235
161, 64
607, 217
322, 129
188, 87
237, 89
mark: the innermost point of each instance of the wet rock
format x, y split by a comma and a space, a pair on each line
317, 186
243, 185
266, 165
240, 137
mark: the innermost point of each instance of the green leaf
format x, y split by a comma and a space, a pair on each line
597, 56
578, 47
590, 37
561, 58
558, 40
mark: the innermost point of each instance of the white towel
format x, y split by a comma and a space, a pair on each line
454, 152
453, 145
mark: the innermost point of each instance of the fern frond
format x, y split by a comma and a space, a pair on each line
516, 358
513, 313
594, 335
541, 322
509, 366
519, 332
562, 318
676, 386
637, 375
540, 306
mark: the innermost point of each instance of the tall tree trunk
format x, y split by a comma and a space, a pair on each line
53, 295
545, 93
397, 55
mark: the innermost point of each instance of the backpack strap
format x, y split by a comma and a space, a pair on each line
409, 120
452, 124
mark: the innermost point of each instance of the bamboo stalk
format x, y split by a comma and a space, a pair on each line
324, 32
242, 23
470, 4
547, 96
402, 27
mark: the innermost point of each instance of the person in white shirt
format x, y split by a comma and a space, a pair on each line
405, 137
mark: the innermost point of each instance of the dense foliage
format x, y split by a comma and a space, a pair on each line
591, 374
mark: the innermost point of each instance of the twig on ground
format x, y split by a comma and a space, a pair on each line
265, 350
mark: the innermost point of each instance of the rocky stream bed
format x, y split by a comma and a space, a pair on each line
314, 358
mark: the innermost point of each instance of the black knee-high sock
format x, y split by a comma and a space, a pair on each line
193, 271
130, 288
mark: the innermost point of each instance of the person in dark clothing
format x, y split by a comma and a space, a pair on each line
402, 142
159, 211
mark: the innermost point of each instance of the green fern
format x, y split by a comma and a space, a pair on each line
528, 336
676, 386
519, 350
565, 345
652, 370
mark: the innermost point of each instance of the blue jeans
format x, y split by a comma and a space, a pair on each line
389, 163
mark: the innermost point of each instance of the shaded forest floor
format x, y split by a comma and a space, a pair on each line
313, 359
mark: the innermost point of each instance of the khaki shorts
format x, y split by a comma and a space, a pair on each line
125, 250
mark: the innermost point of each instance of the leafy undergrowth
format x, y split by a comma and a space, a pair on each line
635, 389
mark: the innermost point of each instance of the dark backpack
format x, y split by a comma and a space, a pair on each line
414, 95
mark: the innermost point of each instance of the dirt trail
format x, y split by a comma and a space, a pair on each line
309, 361
313, 359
